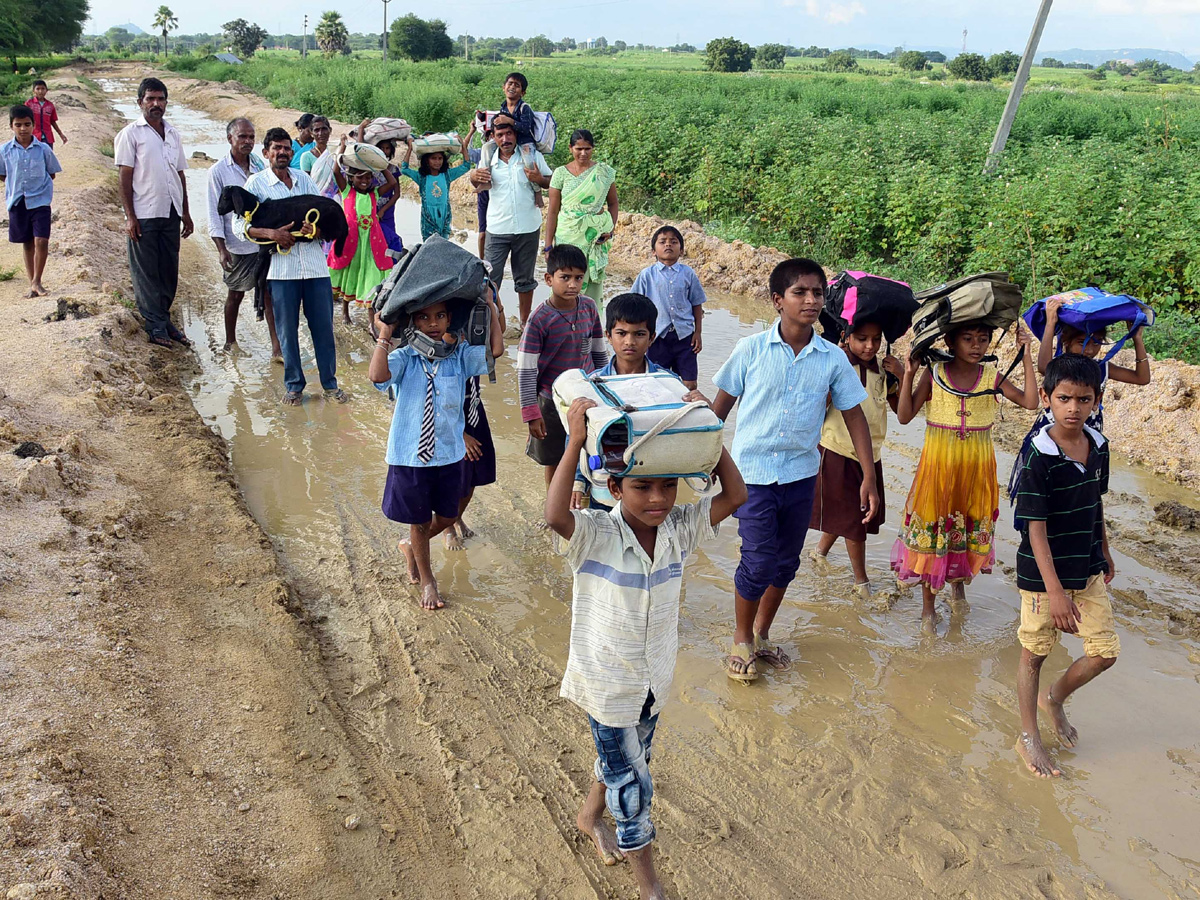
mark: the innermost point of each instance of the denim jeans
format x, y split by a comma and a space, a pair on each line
316, 296
623, 767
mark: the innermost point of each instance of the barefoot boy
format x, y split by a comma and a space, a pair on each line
27, 168
630, 330
782, 377
679, 298
628, 572
563, 333
1063, 563
425, 445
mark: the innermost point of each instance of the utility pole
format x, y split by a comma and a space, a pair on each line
1018, 87
304, 42
385, 29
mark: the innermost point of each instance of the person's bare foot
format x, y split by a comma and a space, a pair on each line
603, 837
277, 356
430, 598
1065, 730
642, 863
346, 320
929, 622
1029, 748
958, 592
464, 529
453, 541
414, 574
36, 290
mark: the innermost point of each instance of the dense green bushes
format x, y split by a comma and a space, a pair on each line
1096, 186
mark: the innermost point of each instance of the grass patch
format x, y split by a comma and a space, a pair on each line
8, 274
106, 147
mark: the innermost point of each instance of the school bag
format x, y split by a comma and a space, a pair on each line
856, 297
641, 427
438, 270
545, 130
1089, 310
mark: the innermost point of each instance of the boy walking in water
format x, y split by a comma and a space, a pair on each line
1063, 563
563, 333
628, 573
782, 377
425, 446
679, 298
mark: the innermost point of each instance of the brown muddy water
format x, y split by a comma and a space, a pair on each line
881, 765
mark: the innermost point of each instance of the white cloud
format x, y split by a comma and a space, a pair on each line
1134, 7
834, 13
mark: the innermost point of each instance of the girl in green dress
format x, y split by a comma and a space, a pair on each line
583, 210
361, 266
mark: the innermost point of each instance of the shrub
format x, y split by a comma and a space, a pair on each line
840, 61
770, 56
913, 61
728, 55
969, 67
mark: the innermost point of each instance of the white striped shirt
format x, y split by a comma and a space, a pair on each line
625, 610
224, 173
782, 406
306, 259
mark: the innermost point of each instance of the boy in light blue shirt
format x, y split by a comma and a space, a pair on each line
27, 168
783, 377
679, 298
425, 444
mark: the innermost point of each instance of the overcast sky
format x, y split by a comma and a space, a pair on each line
991, 26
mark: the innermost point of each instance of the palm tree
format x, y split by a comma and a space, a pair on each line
164, 21
331, 34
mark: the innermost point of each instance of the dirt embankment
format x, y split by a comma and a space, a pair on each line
169, 729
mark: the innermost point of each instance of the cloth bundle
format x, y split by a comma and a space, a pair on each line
448, 143
385, 129
364, 157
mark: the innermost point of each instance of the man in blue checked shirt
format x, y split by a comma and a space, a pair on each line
783, 377
297, 278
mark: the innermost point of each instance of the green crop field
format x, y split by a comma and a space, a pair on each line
1099, 183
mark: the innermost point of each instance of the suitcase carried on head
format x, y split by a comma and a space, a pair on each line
641, 427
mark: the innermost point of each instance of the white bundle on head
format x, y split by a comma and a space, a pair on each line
365, 157
385, 129
437, 143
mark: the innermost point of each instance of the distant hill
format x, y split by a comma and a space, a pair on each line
131, 28
1099, 57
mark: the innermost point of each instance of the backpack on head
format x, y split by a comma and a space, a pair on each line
438, 271
856, 297
1091, 310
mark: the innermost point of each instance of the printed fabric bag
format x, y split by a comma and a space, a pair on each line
856, 297
641, 427
1089, 310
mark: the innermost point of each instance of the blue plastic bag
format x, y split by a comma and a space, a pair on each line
1090, 309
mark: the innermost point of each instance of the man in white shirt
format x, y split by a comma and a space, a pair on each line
239, 258
513, 219
298, 278
150, 163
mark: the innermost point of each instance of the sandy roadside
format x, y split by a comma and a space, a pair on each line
167, 729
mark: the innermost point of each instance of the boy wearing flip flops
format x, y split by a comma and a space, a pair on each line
782, 378
628, 574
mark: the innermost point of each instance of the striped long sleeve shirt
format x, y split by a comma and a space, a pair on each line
554, 341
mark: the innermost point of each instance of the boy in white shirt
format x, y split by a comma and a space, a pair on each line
628, 573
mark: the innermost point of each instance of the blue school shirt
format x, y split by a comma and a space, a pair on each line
674, 290
26, 172
782, 403
408, 370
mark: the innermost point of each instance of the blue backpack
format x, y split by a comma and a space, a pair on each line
1090, 310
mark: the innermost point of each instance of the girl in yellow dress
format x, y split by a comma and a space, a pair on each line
950, 516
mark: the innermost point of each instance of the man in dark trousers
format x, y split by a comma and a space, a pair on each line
151, 165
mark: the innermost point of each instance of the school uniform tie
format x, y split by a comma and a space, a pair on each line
473, 402
427, 444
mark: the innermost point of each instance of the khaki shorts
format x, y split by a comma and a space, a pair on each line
1096, 626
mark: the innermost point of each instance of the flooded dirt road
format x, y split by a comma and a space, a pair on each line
881, 765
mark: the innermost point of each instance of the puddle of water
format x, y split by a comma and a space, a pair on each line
312, 477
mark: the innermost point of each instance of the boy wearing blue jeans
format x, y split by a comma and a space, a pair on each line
679, 298
425, 446
628, 572
783, 377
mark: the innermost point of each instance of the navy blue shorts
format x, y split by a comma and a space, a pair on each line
772, 524
478, 472
672, 352
26, 224
414, 494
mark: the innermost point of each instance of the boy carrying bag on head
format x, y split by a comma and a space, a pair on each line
628, 574
1063, 563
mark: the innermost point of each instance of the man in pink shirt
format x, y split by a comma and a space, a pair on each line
45, 115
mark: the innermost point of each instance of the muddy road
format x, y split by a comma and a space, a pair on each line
881, 765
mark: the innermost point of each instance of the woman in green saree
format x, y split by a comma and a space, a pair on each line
583, 210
